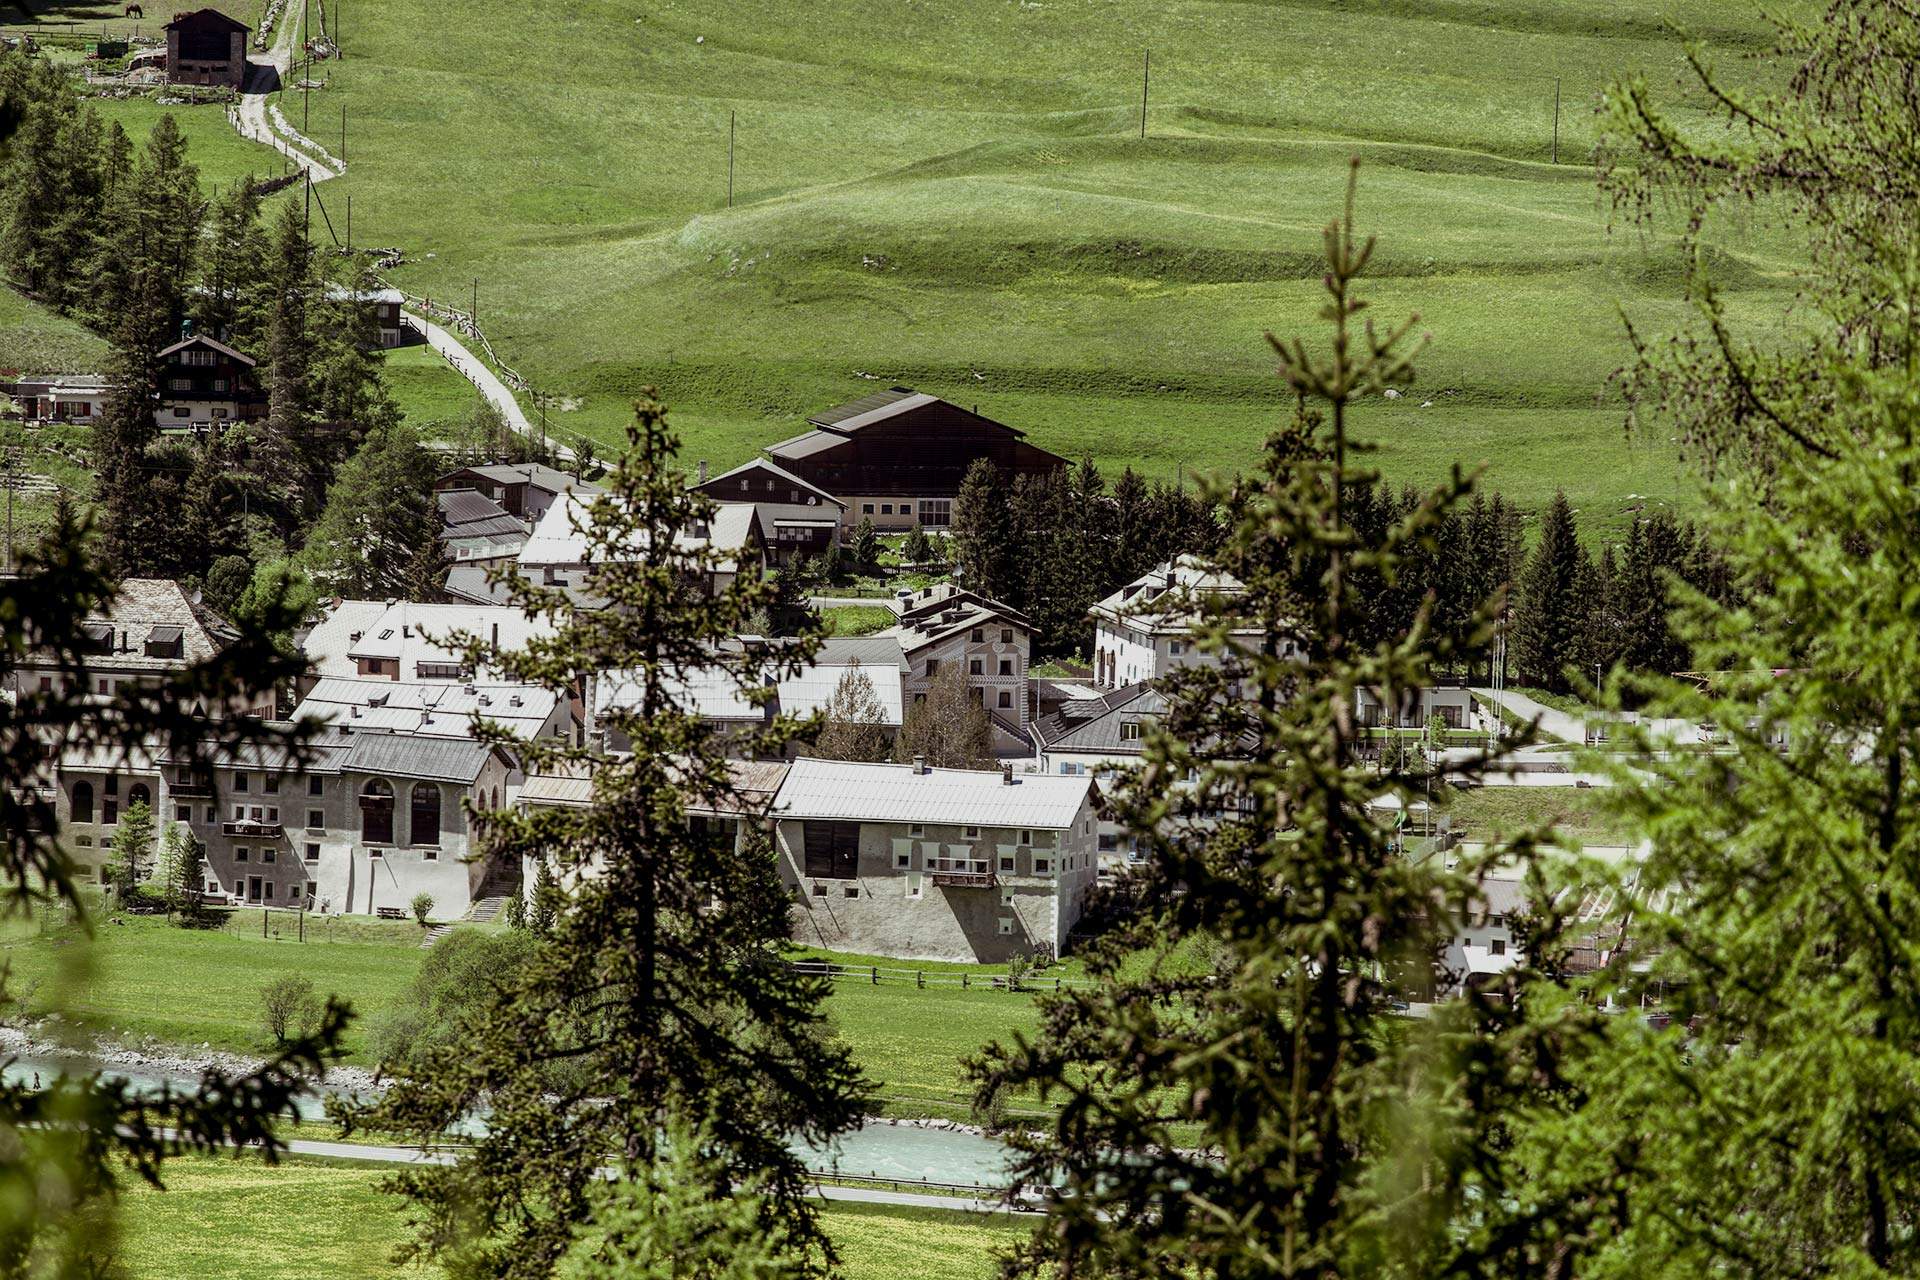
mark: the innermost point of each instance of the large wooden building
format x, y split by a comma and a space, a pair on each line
204, 383
207, 47
897, 457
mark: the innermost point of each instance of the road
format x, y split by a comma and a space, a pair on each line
265, 74
1555, 724
474, 370
323, 1150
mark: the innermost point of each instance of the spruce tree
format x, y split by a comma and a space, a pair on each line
1133, 543
1549, 618
234, 297
985, 555
866, 546
289, 457
657, 1004
378, 535
132, 856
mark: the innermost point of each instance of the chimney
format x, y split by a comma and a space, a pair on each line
1006, 775
703, 471
496, 635
919, 764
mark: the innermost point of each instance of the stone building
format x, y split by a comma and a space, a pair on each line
935, 864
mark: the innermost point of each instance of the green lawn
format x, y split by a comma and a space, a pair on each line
1576, 813
222, 155
857, 619
145, 977
222, 1218
427, 390
35, 340
956, 196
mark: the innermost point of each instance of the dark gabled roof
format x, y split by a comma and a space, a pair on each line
202, 17
881, 405
871, 652
762, 464
201, 339
537, 474
1093, 724
406, 756
465, 506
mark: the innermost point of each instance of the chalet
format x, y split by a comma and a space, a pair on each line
383, 311
475, 527
204, 382
897, 457
936, 864
524, 489
1145, 629
207, 47
944, 628
799, 518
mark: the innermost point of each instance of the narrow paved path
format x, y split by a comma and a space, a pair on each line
474, 370
324, 1150
1555, 724
266, 73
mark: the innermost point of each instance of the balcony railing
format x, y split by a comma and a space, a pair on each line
961, 873
250, 827
190, 790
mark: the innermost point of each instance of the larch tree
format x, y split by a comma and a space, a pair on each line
1769, 1129
1268, 1114
655, 1035
854, 723
947, 726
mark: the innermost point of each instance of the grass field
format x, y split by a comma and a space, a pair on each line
231, 1219
1575, 813
956, 196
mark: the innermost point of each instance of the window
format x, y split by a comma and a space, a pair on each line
974, 667
1006, 635
933, 667
1498, 946
1006, 698
424, 823
106, 685
266, 890
832, 849
902, 861
1042, 866
1173, 648
851, 890
316, 820
219, 386
271, 784
109, 810
180, 384
1026, 837
83, 801
46, 684
266, 854
866, 508
936, 512
973, 833
213, 886
1006, 925
1006, 896
181, 411
1070, 769
212, 816
1006, 666
1108, 842
240, 782
979, 635
1006, 863
886, 508
376, 812
240, 853
819, 891
917, 830
183, 813
313, 853
1129, 731
316, 786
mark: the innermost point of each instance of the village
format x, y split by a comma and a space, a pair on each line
920, 642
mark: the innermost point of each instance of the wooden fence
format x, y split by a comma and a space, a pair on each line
922, 979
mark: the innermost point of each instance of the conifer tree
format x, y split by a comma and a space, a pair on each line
132, 850
947, 726
984, 549
1549, 618
290, 461
866, 546
1260, 1119
659, 988
234, 297
378, 535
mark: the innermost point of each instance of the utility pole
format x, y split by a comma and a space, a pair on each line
1146, 78
475, 314
729, 159
343, 133
306, 94
1556, 120
307, 230
349, 224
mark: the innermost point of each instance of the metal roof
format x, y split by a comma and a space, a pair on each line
409, 756
762, 464
852, 791
432, 710
1093, 724
537, 474
462, 506
892, 398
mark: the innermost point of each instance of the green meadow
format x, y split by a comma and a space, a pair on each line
225, 1218
956, 195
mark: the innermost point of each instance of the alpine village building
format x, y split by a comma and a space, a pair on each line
207, 47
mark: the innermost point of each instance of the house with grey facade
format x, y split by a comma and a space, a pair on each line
935, 864
946, 627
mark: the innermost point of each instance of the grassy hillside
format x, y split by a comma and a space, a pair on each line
956, 195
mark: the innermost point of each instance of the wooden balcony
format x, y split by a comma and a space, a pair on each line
961, 873
250, 829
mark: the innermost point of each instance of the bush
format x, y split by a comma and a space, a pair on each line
422, 905
290, 1004
460, 976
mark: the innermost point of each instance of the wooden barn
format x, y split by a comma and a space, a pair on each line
207, 47
897, 457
